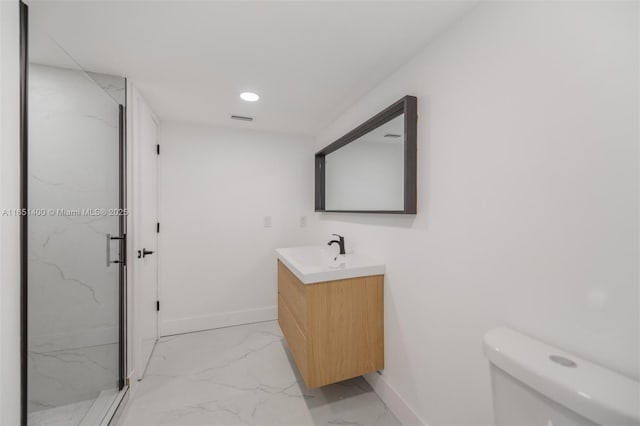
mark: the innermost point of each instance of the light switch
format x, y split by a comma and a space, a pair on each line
267, 221
303, 221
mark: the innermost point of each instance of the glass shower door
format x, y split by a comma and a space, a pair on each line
75, 272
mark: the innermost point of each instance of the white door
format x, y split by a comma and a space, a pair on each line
146, 239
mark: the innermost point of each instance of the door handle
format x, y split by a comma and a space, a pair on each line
144, 253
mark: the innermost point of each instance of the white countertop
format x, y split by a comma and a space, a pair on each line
314, 264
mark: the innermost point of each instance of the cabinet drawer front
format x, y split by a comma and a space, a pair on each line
295, 339
293, 293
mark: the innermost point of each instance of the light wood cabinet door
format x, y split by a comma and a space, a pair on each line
334, 329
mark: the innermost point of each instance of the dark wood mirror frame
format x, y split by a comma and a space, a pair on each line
407, 106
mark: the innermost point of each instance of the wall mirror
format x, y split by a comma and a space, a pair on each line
371, 169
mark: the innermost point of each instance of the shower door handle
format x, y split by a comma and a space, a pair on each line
122, 244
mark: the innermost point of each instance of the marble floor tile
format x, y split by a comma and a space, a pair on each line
243, 376
64, 415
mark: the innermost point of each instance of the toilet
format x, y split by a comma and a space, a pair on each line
537, 384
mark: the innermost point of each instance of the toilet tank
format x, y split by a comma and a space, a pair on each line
537, 384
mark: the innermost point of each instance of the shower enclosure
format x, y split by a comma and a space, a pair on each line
75, 236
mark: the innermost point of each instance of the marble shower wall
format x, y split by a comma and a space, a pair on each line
73, 295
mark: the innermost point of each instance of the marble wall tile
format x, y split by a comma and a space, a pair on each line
114, 86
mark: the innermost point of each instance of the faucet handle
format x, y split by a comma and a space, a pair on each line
339, 236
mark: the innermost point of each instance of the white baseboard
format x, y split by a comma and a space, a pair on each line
218, 320
390, 396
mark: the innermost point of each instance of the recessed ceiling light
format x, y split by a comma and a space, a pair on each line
249, 96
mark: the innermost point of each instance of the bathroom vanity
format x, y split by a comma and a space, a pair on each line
330, 310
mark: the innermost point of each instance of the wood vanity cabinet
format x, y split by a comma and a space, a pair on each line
334, 329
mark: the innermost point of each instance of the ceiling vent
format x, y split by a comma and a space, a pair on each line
241, 118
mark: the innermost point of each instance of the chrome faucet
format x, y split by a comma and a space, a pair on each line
340, 242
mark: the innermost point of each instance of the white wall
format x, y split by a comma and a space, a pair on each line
528, 200
9, 229
217, 265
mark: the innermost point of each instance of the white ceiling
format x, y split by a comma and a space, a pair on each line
308, 60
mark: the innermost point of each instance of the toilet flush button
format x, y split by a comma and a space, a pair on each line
563, 361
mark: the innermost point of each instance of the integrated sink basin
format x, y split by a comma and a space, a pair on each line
314, 264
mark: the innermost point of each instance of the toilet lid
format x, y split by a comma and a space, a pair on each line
599, 394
